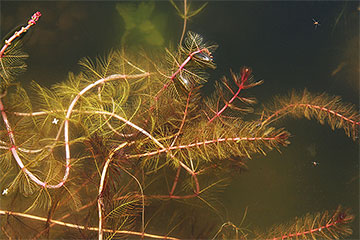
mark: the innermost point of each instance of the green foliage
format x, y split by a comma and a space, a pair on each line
176, 143
177, 127
322, 107
12, 63
188, 13
325, 225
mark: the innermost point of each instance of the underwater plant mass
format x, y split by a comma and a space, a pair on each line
145, 144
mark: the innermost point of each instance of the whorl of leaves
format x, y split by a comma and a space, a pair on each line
321, 107
314, 226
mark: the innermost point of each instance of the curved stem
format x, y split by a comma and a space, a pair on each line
101, 187
143, 131
66, 130
185, 20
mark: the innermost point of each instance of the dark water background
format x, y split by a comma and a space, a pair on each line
279, 41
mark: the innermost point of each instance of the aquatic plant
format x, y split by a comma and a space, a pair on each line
112, 150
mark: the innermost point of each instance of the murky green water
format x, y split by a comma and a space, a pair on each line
279, 41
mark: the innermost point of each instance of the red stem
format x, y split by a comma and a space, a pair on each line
34, 18
318, 229
311, 106
244, 77
234, 139
175, 181
179, 69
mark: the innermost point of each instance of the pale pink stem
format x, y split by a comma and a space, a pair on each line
192, 173
66, 130
76, 226
234, 139
13, 147
72, 105
34, 18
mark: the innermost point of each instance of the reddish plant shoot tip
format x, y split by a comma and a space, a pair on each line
34, 18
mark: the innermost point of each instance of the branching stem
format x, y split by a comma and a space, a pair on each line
101, 187
66, 130
76, 226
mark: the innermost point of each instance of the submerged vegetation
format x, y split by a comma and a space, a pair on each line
118, 148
